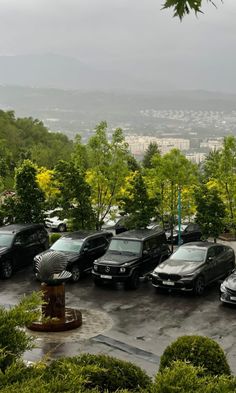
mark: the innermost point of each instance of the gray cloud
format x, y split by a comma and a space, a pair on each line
130, 36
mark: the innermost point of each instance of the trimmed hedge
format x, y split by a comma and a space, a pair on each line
199, 351
185, 378
100, 371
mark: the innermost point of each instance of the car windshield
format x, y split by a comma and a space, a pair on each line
125, 246
67, 244
189, 254
6, 239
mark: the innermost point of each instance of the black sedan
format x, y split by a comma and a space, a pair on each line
194, 266
188, 233
228, 289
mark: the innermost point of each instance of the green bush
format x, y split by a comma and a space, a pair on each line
183, 377
199, 351
53, 237
100, 371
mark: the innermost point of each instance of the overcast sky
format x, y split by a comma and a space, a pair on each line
130, 36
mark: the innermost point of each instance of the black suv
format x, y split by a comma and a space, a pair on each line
81, 248
131, 255
19, 243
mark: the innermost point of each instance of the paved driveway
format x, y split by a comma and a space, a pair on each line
132, 325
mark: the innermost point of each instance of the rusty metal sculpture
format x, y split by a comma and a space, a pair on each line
51, 271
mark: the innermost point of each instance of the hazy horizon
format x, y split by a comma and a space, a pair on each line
131, 42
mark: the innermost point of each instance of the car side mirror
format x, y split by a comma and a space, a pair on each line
145, 252
85, 249
209, 259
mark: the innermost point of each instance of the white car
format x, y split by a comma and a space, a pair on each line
55, 223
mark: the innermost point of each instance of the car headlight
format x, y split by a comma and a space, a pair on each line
189, 274
223, 288
122, 269
95, 267
154, 273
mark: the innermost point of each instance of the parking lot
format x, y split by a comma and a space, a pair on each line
132, 325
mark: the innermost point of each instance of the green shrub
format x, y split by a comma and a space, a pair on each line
199, 351
53, 237
183, 377
100, 371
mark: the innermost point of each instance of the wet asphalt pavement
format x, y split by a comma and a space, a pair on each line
131, 325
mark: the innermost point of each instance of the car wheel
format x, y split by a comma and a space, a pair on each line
6, 269
133, 282
199, 286
62, 228
75, 274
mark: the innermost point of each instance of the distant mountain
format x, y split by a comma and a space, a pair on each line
55, 71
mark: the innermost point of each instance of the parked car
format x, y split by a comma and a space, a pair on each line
19, 243
194, 266
54, 222
116, 225
81, 248
188, 233
228, 289
130, 255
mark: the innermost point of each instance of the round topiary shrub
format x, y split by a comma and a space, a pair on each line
103, 372
199, 351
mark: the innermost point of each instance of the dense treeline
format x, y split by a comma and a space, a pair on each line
27, 138
93, 181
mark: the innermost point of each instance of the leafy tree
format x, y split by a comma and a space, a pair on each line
210, 211
149, 153
28, 202
74, 195
137, 204
107, 169
184, 7
221, 167
171, 174
46, 181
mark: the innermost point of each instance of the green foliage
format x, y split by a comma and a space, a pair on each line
210, 211
27, 138
183, 377
137, 204
14, 341
28, 203
53, 237
151, 151
184, 7
199, 351
104, 372
107, 169
74, 196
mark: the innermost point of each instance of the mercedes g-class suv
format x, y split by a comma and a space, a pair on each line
131, 255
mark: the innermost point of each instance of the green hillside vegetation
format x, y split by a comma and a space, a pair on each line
92, 181
28, 138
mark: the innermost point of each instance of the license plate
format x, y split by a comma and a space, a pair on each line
233, 298
106, 277
168, 283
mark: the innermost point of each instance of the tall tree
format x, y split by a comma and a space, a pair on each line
74, 197
210, 211
137, 204
27, 205
29, 198
107, 169
151, 151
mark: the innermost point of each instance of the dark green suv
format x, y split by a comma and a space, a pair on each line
19, 243
130, 255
